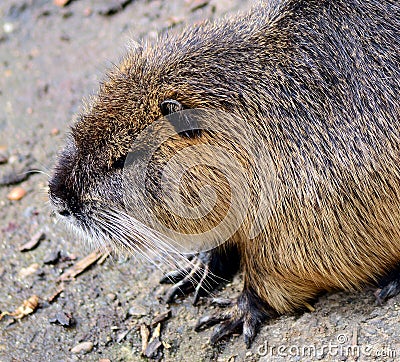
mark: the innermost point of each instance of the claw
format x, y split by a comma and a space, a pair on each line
246, 316
210, 320
200, 291
202, 274
222, 302
226, 329
389, 286
174, 276
250, 327
389, 291
177, 275
181, 288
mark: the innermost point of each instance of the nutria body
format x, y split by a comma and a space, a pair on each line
318, 82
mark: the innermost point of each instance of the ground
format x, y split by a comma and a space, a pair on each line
50, 58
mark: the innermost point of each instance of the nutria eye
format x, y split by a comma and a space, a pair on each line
183, 123
170, 106
119, 162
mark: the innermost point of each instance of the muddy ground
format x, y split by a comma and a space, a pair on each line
51, 57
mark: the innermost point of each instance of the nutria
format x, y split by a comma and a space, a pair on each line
317, 84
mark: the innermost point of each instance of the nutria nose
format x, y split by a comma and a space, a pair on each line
62, 196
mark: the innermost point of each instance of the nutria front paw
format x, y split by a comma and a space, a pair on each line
245, 316
202, 273
195, 275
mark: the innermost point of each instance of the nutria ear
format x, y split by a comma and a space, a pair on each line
184, 123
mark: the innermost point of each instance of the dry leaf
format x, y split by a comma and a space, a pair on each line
145, 334
27, 307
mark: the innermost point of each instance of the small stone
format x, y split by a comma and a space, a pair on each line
63, 319
16, 194
8, 28
82, 348
3, 157
87, 12
61, 3
13, 159
153, 349
111, 297
121, 336
55, 131
137, 311
30, 211
31, 269
52, 257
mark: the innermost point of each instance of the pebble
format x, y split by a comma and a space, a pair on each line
3, 157
137, 311
8, 28
17, 193
31, 269
87, 12
113, 7
121, 336
111, 297
30, 211
83, 347
51, 257
61, 2
62, 318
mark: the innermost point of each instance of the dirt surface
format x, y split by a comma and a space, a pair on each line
50, 57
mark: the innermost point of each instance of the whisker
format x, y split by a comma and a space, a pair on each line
160, 247
112, 227
37, 171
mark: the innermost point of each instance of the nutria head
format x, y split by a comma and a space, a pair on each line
152, 107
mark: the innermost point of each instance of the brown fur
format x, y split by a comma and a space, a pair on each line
320, 83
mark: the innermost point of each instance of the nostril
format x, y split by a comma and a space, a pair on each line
64, 213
